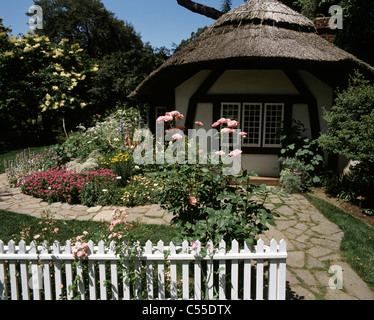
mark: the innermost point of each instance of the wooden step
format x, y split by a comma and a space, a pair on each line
269, 181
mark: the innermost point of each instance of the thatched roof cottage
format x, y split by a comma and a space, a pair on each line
262, 64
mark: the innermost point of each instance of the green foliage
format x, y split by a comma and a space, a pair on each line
121, 164
351, 122
294, 177
123, 59
142, 190
301, 160
40, 84
357, 35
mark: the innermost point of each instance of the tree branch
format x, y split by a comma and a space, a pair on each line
201, 9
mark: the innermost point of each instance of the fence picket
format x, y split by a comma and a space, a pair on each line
57, 263
80, 281
24, 273
247, 274
47, 276
185, 272
222, 272
91, 272
234, 271
173, 273
3, 286
113, 273
260, 272
19, 261
13, 271
69, 272
126, 280
102, 273
35, 273
281, 283
197, 273
210, 271
161, 272
273, 272
149, 270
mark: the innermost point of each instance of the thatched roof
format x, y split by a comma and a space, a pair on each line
258, 31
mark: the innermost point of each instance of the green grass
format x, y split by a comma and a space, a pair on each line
12, 223
357, 245
12, 154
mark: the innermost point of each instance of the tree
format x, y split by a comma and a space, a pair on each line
41, 83
351, 122
123, 59
87, 22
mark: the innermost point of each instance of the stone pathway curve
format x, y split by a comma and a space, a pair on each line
312, 241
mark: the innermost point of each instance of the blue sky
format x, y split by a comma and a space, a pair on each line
160, 22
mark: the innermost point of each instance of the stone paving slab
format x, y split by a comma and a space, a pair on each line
312, 241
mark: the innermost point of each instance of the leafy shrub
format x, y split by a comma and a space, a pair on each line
206, 206
113, 133
305, 151
349, 186
294, 176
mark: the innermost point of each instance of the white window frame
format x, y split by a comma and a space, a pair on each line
260, 124
265, 125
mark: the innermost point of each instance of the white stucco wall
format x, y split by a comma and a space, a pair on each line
301, 112
322, 92
266, 163
253, 82
185, 90
204, 114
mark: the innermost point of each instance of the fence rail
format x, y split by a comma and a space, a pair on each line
159, 272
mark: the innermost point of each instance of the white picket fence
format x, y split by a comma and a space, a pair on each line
30, 272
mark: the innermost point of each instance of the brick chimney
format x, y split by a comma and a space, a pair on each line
323, 29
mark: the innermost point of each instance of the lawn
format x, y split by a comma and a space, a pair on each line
13, 223
357, 245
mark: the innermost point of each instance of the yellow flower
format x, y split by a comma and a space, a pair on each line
83, 105
55, 88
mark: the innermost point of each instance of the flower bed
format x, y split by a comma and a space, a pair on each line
58, 184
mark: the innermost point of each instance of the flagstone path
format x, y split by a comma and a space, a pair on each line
312, 241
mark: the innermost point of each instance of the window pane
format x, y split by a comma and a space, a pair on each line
274, 113
251, 123
230, 110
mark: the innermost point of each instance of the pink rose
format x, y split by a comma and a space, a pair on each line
235, 153
192, 200
215, 124
224, 130
220, 153
199, 123
177, 136
223, 120
194, 245
201, 151
232, 123
243, 134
